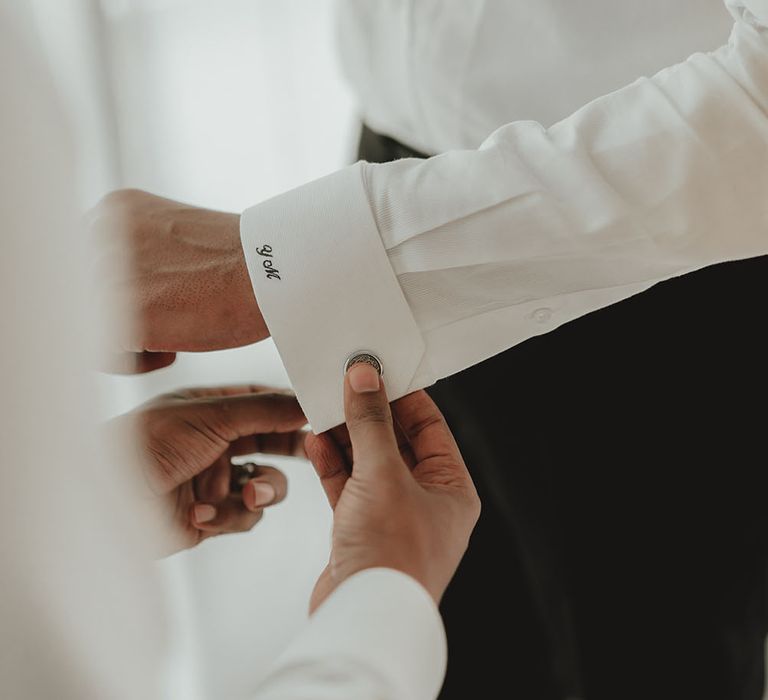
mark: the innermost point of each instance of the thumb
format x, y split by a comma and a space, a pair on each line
368, 416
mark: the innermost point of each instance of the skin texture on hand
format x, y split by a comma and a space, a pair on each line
181, 271
186, 441
401, 494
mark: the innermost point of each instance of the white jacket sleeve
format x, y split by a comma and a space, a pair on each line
437, 264
379, 636
80, 608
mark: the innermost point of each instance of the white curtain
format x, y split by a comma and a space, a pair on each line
221, 104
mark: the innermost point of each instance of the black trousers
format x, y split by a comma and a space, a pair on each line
623, 548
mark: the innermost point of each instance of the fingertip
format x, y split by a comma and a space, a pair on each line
232, 516
203, 513
151, 361
364, 403
363, 378
138, 362
258, 495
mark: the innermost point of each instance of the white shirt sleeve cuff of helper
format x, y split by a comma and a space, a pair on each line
383, 621
327, 290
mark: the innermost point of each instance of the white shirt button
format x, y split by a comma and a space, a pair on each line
542, 315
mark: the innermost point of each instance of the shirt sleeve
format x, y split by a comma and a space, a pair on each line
434, 265
379, 636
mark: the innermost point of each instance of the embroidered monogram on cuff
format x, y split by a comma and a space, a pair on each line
311, 253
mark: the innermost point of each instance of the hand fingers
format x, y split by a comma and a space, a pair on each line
187, 436
340, 436
138, 362
216, 507
267, 488
230, 515
436, 453
424, 426
330, 465
233, 417
368, 417
290, 444
200, 392
212, 485
406, 451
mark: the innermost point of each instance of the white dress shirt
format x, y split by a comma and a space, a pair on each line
438, 264
81, 616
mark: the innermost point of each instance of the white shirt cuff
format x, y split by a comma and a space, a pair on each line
382, 623
327, 290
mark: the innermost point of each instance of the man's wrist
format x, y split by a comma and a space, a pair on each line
252, 319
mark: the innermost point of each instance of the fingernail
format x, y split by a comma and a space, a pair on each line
263, 494
363, 378
204, 513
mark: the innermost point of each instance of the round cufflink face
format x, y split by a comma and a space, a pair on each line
367, 358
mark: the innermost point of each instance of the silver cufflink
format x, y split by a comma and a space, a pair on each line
366, 357
240, 475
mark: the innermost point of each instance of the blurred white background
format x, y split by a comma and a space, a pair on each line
221, 104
